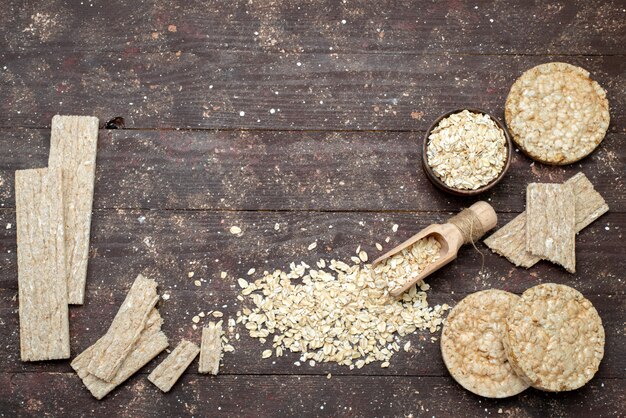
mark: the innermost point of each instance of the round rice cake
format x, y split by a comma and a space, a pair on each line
471, 345
554, 338
557, 114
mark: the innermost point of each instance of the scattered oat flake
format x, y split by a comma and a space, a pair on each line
201, 314
235, 230
243, 283
328, 376
217, 314
223, 275
394, 228
251, 271
195, 319
197, 283
190, 274
8, 226
312, 246
407, 346
379, 247
363, 256
266, 354
166, 296
171, 28
277, 226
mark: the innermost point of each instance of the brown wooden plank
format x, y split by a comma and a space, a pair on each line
172, 243
327, 91
239, 170
423, 359
266, 396
528, 27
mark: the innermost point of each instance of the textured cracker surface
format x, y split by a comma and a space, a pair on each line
471, 345
551, 223
165, 375
210, 348
150, 343
73, 144
555, 337
557, 114
111, 350
43, 311
510, 240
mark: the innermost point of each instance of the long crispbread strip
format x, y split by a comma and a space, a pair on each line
471, 345
150, 343
550, 223
73, 144
110, 351
211, 348
169, 371
510, 240
44, 323
554, 338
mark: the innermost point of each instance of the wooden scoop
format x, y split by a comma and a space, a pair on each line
466, 227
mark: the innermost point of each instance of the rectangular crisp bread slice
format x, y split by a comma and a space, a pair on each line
150, 343
73, 145
551, 223
169, 371
110, 351
211, 348
42, 285
510, 240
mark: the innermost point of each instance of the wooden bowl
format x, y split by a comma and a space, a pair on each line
463, 192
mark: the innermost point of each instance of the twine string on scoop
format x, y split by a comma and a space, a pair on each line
471, 229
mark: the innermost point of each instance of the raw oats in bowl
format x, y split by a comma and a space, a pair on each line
466, 152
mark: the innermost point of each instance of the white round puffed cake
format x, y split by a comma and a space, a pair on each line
557, 114
471, 345
554, 338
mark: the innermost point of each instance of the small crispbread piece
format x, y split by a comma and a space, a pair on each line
471, 345
211, 348
554, 338
550, 223
111, 350
150, 343
556, 113
73, 144
510, 240
169, 371
42, 284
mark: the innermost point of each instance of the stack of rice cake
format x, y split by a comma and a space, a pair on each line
496, 344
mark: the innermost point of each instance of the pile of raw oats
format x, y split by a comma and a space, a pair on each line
467, 150
403, 267
336, 312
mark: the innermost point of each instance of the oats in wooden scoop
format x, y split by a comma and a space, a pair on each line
467, 150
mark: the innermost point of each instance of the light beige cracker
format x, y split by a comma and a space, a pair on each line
150, 343
556, 113
73, 144
550, 223
554, 338
169, 371
471, 345
44, 324
111, 350
211, 348
510, 240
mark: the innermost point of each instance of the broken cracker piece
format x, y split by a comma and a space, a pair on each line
211, 348
169, 371
42, 282
550, 223
112, 349
510, 240
150, 343
73, 144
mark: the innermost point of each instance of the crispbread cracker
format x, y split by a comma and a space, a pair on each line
169, 371
510, 240
42, 283
150, 343
550, 223
211, 348
554, 337
557, 114
110, 351
73, 144
471, 345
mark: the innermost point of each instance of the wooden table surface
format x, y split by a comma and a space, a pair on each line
310, 115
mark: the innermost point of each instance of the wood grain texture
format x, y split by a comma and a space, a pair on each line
73, 146
43, 312
347, 92
260, 170
405, 27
